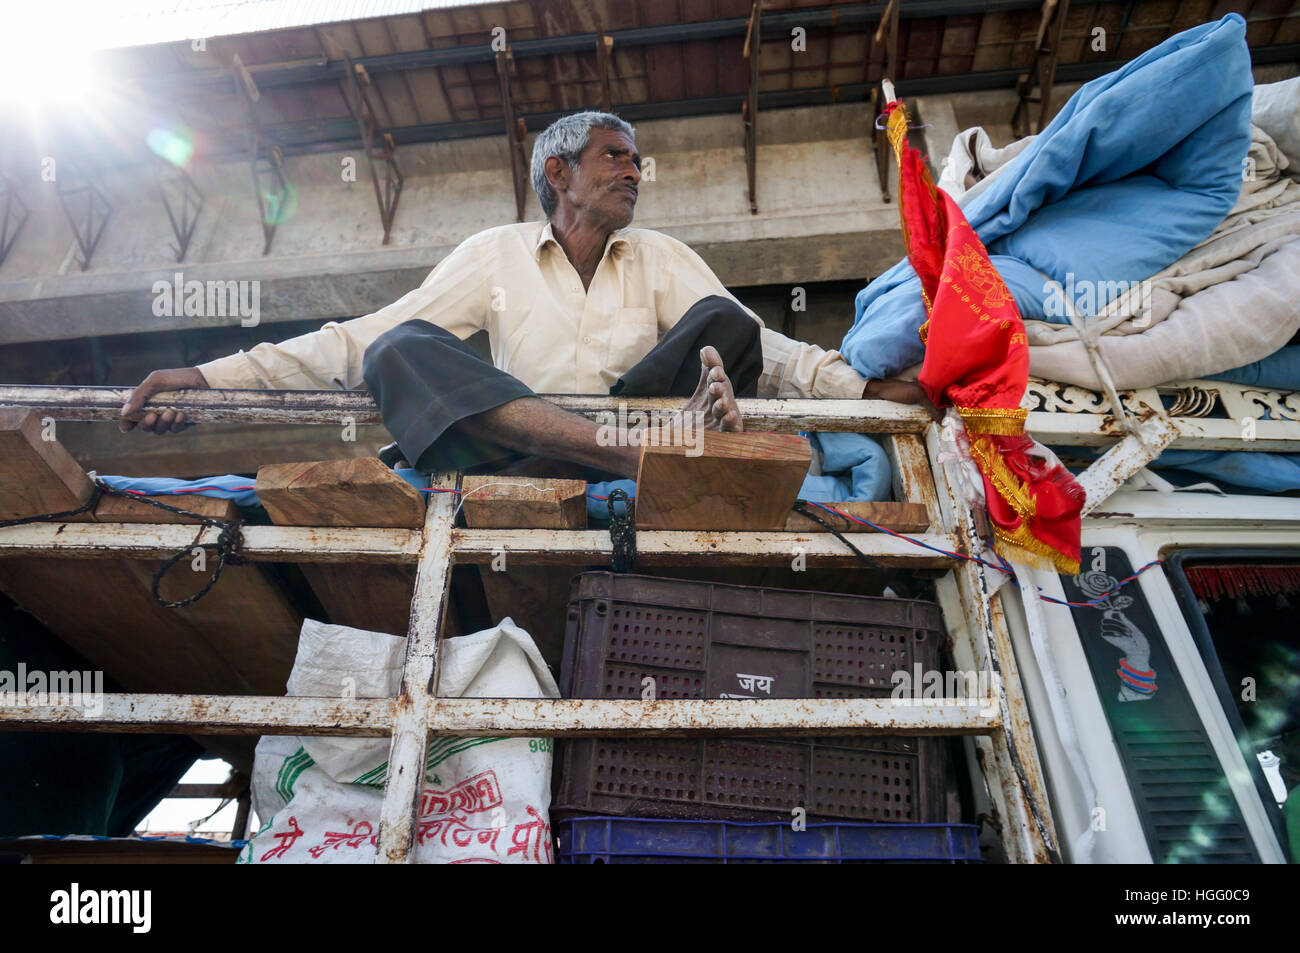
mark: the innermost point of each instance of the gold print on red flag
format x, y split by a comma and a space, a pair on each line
977, 362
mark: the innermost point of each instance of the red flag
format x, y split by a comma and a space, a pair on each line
977, 361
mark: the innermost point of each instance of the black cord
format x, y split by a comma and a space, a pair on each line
622, 533
229, 539
90, 504
896, 581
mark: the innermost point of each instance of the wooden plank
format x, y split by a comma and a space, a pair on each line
900, 517
375, 598
523, 502
740, 481
240, 638
360, 492
37, 475
123, 509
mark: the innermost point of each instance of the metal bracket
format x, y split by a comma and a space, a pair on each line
377, 143
98, 210
13, 217
265, 160
604, 64
887, 33
183, 208
515, 132
1042, 68
749, 111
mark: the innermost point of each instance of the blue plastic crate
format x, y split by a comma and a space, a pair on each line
635, 840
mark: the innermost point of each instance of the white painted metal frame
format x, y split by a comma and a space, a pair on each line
973, 613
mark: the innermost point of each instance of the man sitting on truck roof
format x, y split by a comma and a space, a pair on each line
577, 304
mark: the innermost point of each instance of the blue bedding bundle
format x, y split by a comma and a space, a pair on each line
1137, 169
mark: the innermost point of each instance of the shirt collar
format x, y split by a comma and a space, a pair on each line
619, 243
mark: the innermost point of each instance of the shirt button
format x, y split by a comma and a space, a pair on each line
586, 340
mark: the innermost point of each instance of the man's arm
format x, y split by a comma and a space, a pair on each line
790, 368
453, 296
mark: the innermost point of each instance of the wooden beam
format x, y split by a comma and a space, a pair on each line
123, 509
348, 493
522, 502
738, 481
355, 492
37, 475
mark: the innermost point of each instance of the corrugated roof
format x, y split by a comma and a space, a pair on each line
146, 22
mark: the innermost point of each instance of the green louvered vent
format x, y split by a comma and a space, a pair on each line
1192, 816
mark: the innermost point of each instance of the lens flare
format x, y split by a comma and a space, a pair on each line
167, 144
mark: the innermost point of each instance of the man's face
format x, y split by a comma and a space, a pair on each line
603, 185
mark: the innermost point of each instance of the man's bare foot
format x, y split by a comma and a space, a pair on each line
714, 397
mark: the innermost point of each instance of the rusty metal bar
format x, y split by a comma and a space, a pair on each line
688, 548
334, 544
185, 217
913, 481
261, 151
780, 415
377, 143
513, 717
358, 407
1010, 759
204, 715
419, 680
98, 212
13, 217
749, 110
886, 32
577, 717
1042, 68
351, 544
1109, 472
604, 63
514, 132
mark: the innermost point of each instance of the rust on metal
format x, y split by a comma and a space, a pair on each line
323, 544
406, 755
200, 714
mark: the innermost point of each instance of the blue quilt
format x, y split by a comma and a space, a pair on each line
1137, 168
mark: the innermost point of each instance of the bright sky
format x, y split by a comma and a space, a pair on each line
174, 815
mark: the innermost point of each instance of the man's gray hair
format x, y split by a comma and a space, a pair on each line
565, 139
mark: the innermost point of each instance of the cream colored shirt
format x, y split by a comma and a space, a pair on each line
543, 327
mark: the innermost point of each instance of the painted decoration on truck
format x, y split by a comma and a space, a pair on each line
1187, 809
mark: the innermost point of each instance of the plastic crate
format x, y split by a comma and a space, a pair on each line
635, 840
711, 640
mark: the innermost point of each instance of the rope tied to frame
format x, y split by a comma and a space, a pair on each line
622, 532
230, 538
